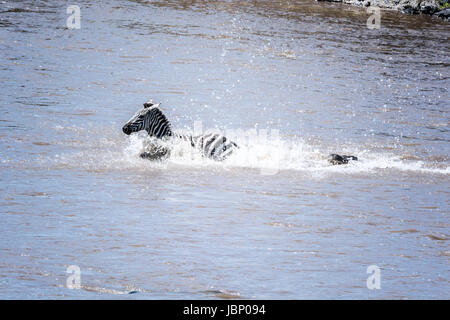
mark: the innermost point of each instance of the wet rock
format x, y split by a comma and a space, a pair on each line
409, 10
429, 7
406, 6
444, 14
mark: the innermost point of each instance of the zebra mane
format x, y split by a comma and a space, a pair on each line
149, 104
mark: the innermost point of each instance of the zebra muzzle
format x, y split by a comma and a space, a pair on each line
126, 130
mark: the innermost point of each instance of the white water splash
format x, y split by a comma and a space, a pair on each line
281, 155
119, 152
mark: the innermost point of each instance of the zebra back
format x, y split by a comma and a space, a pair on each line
210, 145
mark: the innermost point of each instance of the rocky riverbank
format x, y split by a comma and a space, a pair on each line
438, 8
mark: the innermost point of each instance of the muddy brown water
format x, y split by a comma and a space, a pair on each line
275, 221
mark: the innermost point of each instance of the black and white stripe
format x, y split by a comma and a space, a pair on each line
214, 145
151, 119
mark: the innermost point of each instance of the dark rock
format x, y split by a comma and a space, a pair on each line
406, 6
429, 7
410, 10
445, 14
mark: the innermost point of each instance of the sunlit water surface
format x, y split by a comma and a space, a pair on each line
273, 221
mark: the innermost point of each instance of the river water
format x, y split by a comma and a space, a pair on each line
275, 220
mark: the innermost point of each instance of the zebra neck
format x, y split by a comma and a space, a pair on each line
156, 124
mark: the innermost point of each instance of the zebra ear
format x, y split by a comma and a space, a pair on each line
148, 104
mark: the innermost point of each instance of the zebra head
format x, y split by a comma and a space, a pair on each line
151, 119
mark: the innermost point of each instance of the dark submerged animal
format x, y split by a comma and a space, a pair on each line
338, 159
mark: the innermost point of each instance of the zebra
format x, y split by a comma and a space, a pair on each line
211, 145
